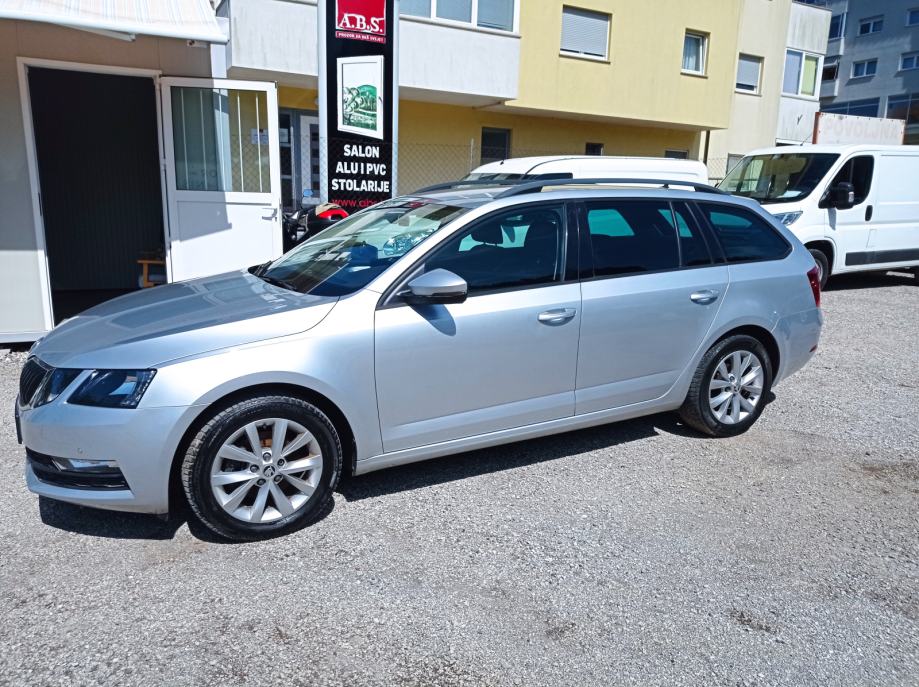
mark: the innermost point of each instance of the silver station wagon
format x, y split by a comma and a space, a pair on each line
456, 318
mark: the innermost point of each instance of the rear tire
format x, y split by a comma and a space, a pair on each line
823, 265
243, 487
729, 388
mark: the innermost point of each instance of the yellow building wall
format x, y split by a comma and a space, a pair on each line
642, 79
443, 142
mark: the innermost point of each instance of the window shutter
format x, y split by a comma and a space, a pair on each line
748, 72
585, 32
496, 14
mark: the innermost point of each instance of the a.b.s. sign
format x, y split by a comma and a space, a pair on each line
358, 93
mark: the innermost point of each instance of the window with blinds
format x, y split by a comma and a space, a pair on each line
748, 71
585, 32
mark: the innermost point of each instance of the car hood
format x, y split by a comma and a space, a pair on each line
150, 327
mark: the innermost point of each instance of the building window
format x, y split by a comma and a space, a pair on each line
489, 14
912, 17
864, 68
830, 68
585, 33
909, 60
861, 108
496, 144
593, 149
677, 154
695, 46
837, 26
904, 107
800, 73
871, 25
496, 14
748, 73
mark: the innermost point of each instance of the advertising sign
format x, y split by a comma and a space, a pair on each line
358, 101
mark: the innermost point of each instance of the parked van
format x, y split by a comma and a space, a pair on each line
856, 207
591, 166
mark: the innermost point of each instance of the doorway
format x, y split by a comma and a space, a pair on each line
299, 144
101, 197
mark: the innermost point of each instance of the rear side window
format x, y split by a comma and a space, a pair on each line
858, 171
629, 237
743, 235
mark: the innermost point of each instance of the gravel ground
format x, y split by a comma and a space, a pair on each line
636, 553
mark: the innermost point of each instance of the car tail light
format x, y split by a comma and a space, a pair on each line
813, 276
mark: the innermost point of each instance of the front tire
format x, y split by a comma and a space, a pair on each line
729, 388
823, 265
242, 486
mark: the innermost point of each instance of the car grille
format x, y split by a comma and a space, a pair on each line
33, 373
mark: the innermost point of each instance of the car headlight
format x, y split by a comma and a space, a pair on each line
53, 385
788, 218
113, 388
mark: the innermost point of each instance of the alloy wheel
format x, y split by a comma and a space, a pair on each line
266, 470
736, 387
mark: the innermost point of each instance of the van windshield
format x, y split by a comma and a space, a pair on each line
350, 254
778, 178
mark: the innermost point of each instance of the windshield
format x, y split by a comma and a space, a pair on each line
350, 254
778, 178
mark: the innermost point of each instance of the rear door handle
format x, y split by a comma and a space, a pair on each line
704, 297
557, 316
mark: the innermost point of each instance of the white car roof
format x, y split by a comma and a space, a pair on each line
838, 149
561, 163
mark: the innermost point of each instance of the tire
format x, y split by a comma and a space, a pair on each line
823, 264
278, 497
697, 410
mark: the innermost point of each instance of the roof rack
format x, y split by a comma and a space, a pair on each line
447, 185
520, 186
539, 184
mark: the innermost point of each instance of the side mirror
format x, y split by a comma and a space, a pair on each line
436, 287
841, 196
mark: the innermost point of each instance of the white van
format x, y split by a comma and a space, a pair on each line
591, 167
856, 207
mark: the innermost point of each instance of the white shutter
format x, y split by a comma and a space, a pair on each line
583, 32
748, 73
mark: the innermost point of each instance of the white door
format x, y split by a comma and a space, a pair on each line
223, 176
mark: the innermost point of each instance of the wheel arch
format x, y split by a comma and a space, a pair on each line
764, 336
826, 247
325, 404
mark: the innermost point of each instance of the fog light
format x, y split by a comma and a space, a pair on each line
81, 465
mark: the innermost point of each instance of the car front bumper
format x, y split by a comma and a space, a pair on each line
141, 443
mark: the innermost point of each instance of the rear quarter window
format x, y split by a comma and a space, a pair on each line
743, 235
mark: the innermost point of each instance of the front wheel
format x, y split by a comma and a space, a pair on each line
729, 388
262, 467
823, 265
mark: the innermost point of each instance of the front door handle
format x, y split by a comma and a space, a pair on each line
557, 316
704, 297
869, 213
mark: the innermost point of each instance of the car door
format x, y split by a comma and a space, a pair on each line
851, 227
650, 295
504, 358
894, 227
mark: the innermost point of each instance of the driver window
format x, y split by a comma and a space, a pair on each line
510, 250
858, 172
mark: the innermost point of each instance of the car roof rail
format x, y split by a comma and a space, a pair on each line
447, 185
539, 184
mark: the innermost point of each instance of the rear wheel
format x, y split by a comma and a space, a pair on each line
823, 265
729, 388
262, 467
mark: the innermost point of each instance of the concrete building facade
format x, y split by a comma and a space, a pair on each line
872, 65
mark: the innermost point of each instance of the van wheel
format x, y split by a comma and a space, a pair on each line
729, 388
823, 265
263, 467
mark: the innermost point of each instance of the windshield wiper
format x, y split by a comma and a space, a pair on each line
274, 281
